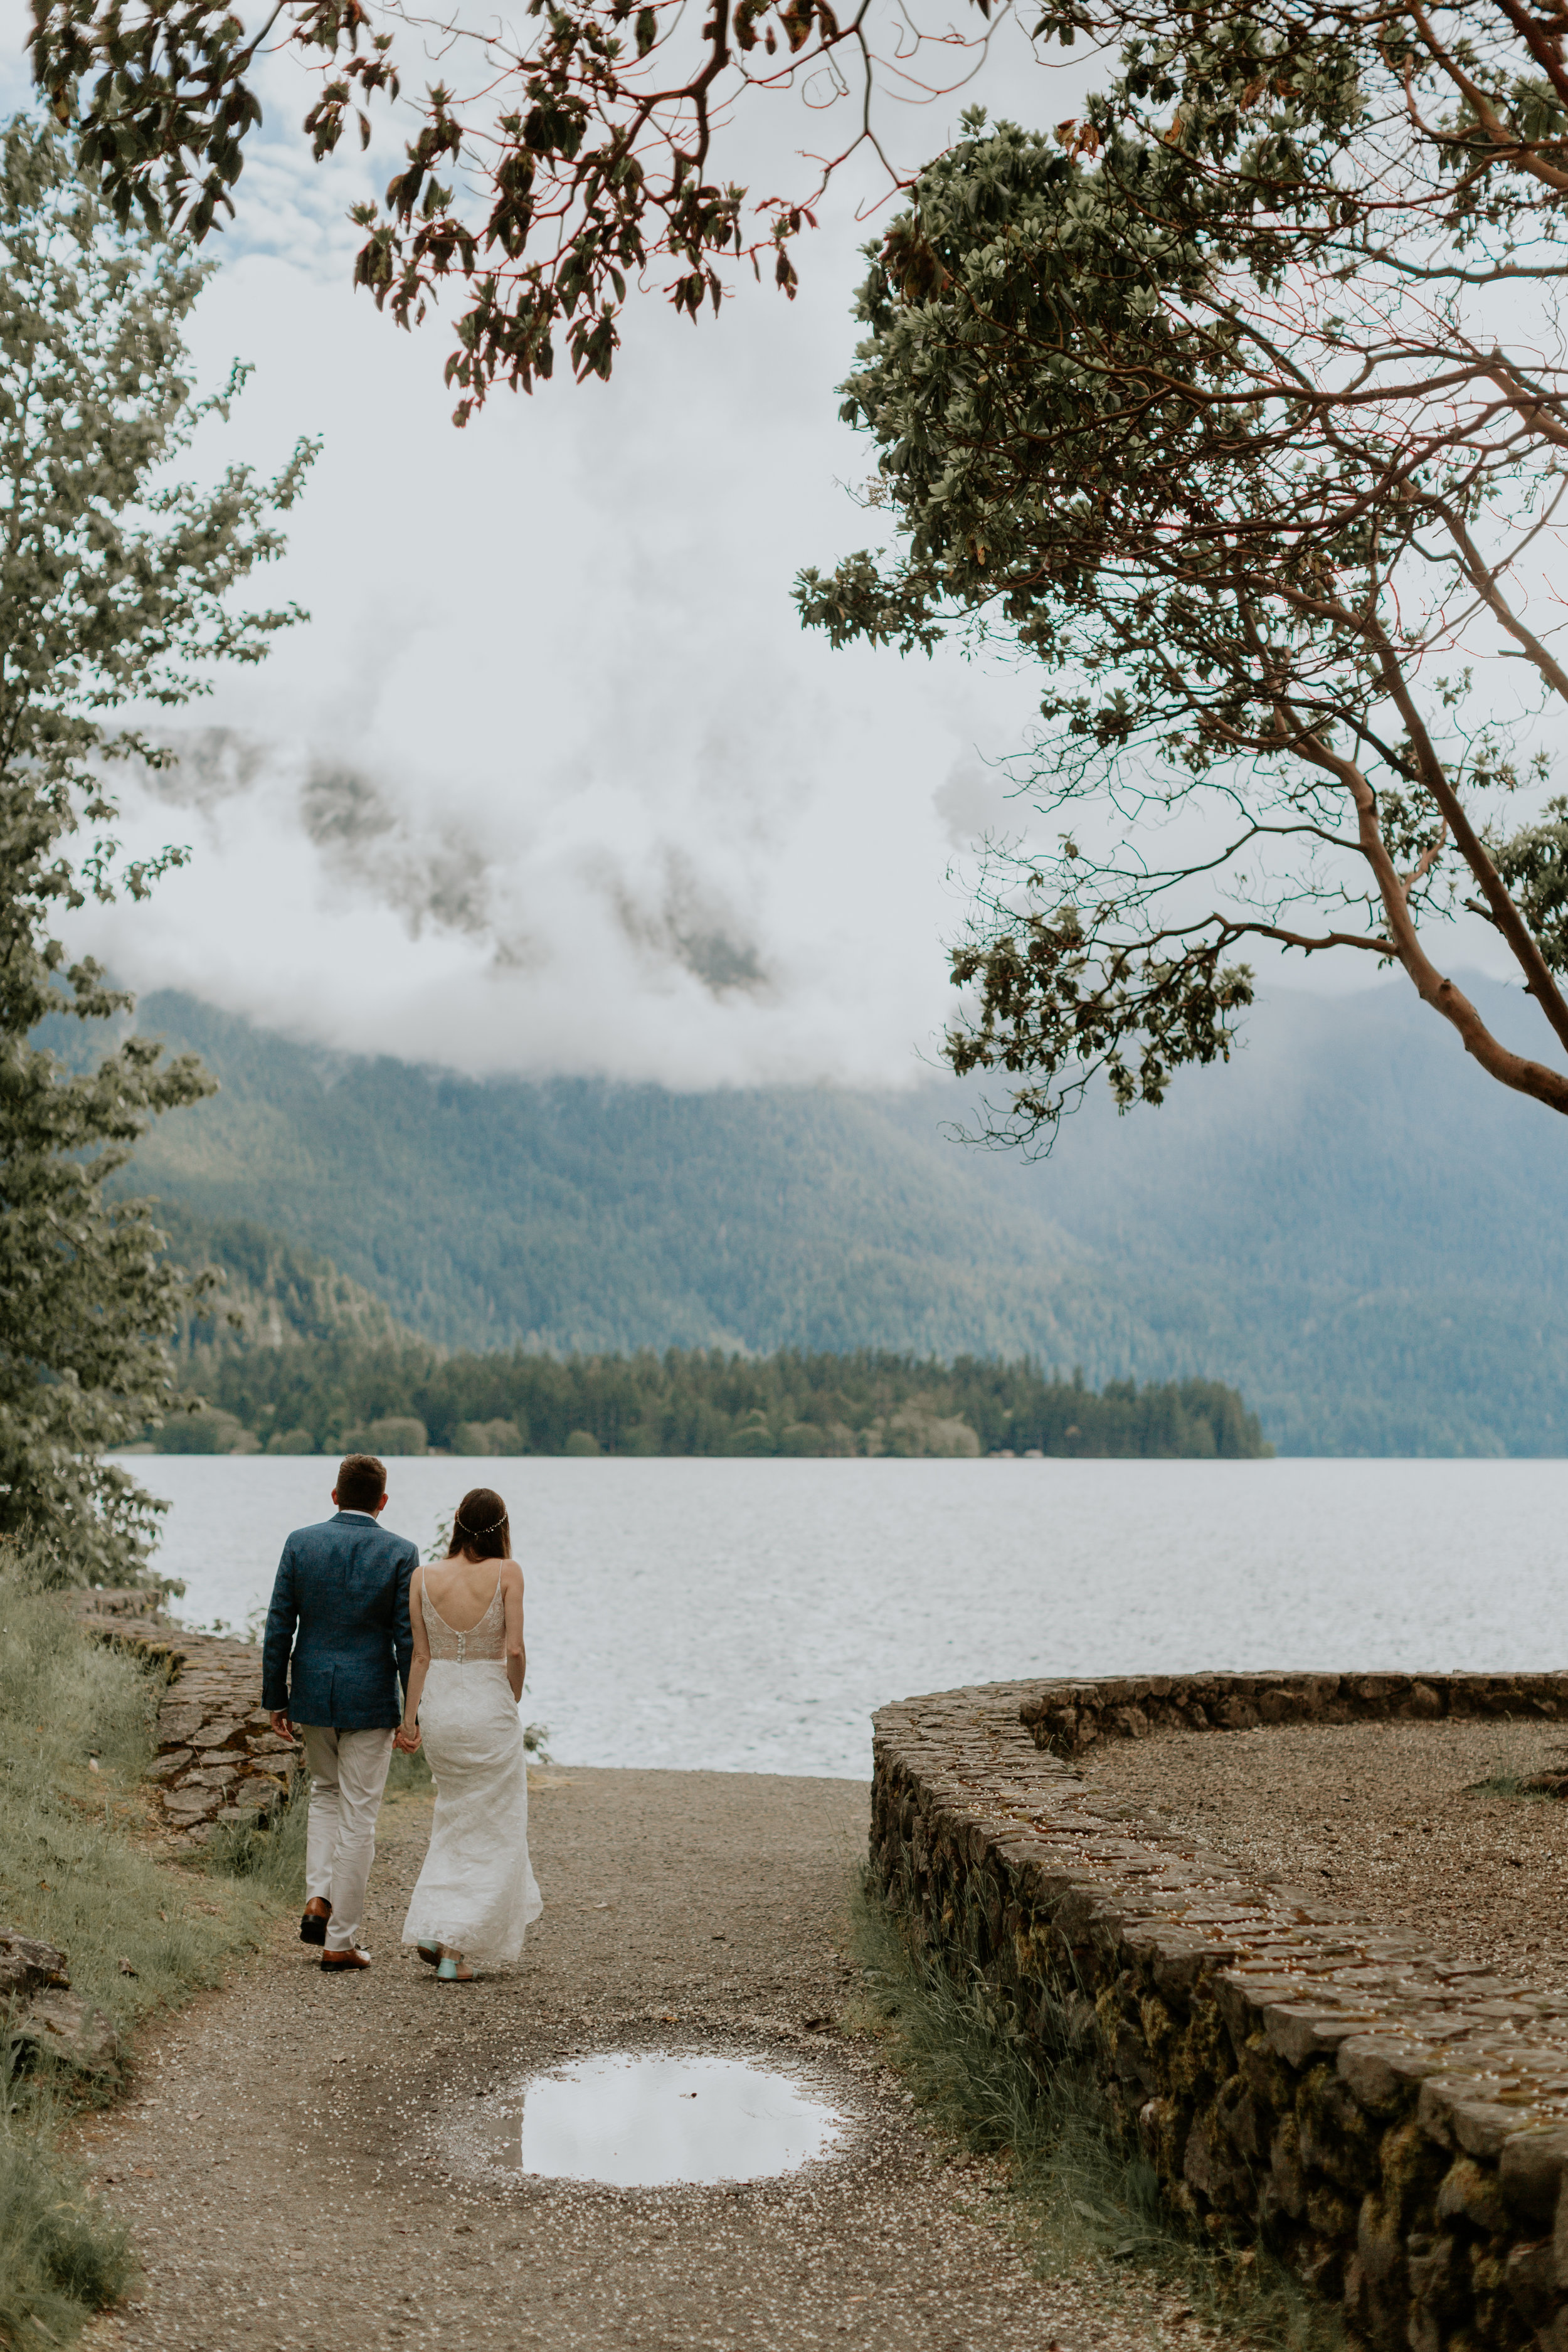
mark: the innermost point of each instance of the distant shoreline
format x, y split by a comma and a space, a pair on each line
406, 1400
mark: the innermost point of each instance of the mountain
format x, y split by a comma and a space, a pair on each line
1350, 1225
271, 1293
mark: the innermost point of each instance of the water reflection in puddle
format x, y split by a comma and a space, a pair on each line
640, 2122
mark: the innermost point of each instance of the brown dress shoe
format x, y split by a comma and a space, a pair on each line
354, 1957
314, 1926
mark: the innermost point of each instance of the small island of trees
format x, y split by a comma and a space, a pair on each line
338, 1394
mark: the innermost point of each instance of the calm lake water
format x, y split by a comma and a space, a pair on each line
748, 1616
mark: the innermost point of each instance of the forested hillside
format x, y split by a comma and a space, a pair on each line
1349, 1226
271, 1293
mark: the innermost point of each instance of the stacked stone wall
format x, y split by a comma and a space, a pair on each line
1069, 1716
1394, 2120
218, 1758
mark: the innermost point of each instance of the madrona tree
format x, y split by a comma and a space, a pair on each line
114, 583
1238, 405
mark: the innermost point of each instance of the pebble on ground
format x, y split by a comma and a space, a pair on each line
1394, 1820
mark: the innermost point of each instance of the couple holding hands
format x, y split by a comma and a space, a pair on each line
353, 1613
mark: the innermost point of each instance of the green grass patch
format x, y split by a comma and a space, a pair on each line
1509, 1784
271, 1860
77, 1870
63, 2254
1079, 2195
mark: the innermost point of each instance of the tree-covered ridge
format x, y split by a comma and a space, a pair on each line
569, 1217
337, 1394
294, 1357
269, 1292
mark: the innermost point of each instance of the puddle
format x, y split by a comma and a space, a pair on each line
645, 2122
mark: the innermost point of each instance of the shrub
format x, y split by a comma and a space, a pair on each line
500, 1437
206, 1433
395, 1433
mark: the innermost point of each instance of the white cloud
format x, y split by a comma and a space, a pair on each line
599, 803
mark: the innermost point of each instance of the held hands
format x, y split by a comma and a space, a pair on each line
409, 1736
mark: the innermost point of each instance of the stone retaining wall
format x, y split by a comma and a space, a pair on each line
1066, 1716
1397, 2122
218, 1758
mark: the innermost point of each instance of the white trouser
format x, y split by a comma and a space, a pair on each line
348, 1772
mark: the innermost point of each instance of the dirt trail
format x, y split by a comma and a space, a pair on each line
296, 2154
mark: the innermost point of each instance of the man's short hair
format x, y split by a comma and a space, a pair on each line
362, 1482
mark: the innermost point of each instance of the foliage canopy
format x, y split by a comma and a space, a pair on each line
114, 579
333, 1395
580, 145
1234, 405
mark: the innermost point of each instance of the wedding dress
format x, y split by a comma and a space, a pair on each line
476, 1892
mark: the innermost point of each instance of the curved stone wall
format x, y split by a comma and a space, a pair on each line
1069, 1717
1394, 2120
218, 1758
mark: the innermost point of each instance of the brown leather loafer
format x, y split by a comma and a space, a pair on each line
354, 1957
314, 1926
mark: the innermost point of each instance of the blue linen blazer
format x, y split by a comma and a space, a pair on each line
338, 1635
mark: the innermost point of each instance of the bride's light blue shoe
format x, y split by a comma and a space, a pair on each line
452, 1971
431, 1952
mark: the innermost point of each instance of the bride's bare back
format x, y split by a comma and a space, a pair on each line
462, 1589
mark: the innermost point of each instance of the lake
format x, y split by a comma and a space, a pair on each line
748, 1616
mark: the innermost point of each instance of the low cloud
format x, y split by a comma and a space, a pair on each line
553, 780
205, 766
687, 924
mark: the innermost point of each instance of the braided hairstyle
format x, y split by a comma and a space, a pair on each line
481, 1529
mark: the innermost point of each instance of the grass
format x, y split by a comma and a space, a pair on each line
76, 1869
63, 2255
271, 1862
1509, 1784
1081, 2198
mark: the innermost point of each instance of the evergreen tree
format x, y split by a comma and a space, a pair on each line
113, 581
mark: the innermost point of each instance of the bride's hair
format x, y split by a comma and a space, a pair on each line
479, 1526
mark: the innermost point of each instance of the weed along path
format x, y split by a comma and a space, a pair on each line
310, 2160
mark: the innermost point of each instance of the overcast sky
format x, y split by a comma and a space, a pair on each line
552, 779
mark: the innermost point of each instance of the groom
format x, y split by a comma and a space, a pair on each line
341, 1606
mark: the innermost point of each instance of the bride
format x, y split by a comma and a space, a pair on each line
475, 1895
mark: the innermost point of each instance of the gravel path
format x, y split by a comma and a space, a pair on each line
1385, 1817
300, 2160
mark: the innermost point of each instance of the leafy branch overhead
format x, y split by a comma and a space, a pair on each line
1233, 405
574, 156
583, 147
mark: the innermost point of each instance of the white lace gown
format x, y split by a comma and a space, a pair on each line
476, 1891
